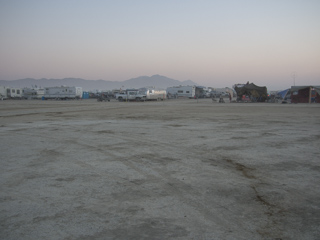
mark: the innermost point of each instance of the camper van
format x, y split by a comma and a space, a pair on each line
3, 93
14, 93
181, 92
63, 93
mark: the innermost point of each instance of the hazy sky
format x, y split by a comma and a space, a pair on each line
213, 43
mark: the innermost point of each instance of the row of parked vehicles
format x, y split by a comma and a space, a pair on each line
137, 95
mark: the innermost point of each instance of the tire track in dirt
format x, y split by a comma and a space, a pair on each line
273, 212
173, 187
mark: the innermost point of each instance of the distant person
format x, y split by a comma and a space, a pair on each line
230, 97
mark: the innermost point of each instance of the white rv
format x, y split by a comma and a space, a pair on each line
33, 93
3, 93
181, 92
14, 93
63, 92
153, 94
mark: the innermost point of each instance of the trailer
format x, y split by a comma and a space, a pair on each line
3, 93
14, 93
63, 93
153, 94
33, 93
181, 92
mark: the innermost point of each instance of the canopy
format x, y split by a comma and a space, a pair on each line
283, 93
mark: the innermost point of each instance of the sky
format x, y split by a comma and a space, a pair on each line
213, 43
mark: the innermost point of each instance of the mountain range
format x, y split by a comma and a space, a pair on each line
156, 81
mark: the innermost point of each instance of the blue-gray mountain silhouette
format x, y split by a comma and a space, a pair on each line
156, 81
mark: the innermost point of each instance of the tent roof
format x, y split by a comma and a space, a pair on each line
250, 87
283, 93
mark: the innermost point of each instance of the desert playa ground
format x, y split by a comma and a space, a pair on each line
175, 169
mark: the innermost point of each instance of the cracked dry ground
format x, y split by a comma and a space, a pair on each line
181, 169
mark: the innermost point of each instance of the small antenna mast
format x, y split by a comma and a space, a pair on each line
294, 75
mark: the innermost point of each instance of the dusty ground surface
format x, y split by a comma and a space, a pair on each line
178, 169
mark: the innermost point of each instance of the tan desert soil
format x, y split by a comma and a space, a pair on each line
177, 169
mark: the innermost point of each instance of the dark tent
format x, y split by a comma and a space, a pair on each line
254, 92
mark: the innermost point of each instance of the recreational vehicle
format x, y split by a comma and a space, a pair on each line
3, 93
63, 93
33, 93
181, 92
153, 94
15, 93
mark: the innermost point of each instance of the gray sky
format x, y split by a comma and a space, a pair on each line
213, 43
